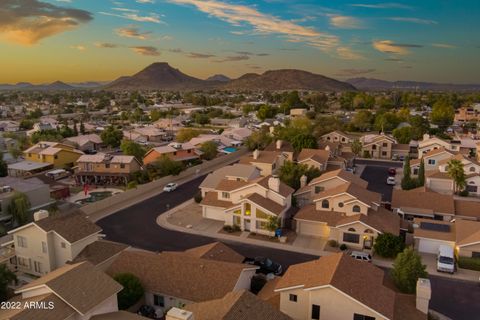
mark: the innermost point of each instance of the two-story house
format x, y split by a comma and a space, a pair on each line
58, 154
101, 168
316, 158
175, 151
86, 142
429, 143
377, 146
237, 171
431, 160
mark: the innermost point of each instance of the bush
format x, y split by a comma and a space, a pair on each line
388, 245
257, 283
463, 193
236, 228
332, 243
469, 263
198, 197
132, 185
343, 247
407, 268
231, 229
132, 290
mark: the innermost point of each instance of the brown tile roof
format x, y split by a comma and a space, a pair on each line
71, 226
230, 185
318, 155
435, 152
438, 203
286, 147
285, 190
406, 308
430, 234
118, 315
467, 232
179, 275
354, 190
81, 285
437, 174
361, 281
342, 174
268, 293
266, 203
237, 305
401, 146
211, 199
216, 251
62, 310
310, 213
467, 208
100, 251
264, 157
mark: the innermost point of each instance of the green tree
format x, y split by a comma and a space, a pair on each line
132, 290
3, 166
258, 140
19, 207
443, 113
407, 181
456, 172
15, 152
265, 112
165, 166
291, 172
407, 268
186, 134
302, 141
26, 124
388, 245
82, 127
131, 148
403, 135
112, 137
356, 147
386, 122
209, 149
421, 174
6, 277
201, 118
362, 120
273, 223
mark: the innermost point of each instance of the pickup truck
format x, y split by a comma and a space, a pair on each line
266, 265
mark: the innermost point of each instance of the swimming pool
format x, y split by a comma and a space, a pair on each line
229, 150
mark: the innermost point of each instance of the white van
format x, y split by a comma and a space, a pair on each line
362, 256
57, 174
445, 259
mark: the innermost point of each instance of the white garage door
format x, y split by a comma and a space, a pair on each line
214, 213
430, 246
313, 229
441, 186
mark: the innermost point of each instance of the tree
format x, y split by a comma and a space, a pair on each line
131, 148
186, 134
201, 118
407, 268
6, 277
26, 124
456, 172
388, 245
165, 167
356, 147
132, 290
407, 181
291, 172
15, 152
386, 121
362, 120
403, 135
3, 166
265, 112
301, 141
258, 140
112, 137
209, 149
75, 129
443, 113
19, 207
273, 223
82, 127
421, 174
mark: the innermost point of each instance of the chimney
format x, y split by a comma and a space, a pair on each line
279, 144
303, 181
426, 136
40, 214
274, 183
256, 153
179, 314
424, 292
271, 129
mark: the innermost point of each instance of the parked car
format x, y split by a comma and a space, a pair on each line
147, 311
362, 256
391, 181
266, 265
392, 171
445, 259
57, 174
170, 187
351, 169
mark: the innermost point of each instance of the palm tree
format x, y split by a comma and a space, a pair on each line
456, 172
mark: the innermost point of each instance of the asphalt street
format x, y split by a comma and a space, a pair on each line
376, 173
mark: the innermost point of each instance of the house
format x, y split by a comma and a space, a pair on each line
101, 253
215, 251
429, 143
9, 126
76, 291
238, 134
298, 112
377, 146
27, 168
284, 148
269, 160
316, 158
348, 214
326, 181
168, 125
466, 114
146, 134
248, 204
171, 279
104, 168
221, 140
58, 154
45, 124
86, 142
49, 242
338, 136
175, 151
337, 287
238, 172
431, 160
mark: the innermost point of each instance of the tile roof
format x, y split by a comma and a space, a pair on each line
438, 203
342, 174
266, 203
434, 152
211, 199
216, 251
84, 139
244, 171
180, 275
118, 315
431, 234
361, 281
62, 310
467, 232
237, 305
354, 190
264, 157
285, 189
286, 146
318, 155
100, 251
467, 208
230, 185
268, 293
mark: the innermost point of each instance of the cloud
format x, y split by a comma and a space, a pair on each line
413, 20
388, 46
394, 59
388, 5
29, 21
106, 45
347, 54
132, 32
145, 1
354, 72
131, 14
176, 50
198, 55
248, 53
78, 47
233, 58
146, 50
443, 45
344, 22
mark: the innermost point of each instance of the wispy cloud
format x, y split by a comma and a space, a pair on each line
344, 22
132, 32
443, 45
146, 50
233, 58
106, 45
198, 55
29, 21
131, 14
145, 1
413, 20
386, 5
388, 46
348, 54
354, 72
78, 47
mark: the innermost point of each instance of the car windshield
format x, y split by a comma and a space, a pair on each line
267, 262
445, 260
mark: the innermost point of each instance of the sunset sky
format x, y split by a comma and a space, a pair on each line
100, 40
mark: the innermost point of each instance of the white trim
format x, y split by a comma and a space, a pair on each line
469, 244
433, 239
290, 288
358, 221
24, 227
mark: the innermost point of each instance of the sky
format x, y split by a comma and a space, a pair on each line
100, 40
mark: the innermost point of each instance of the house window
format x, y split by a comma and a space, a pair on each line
237, 220
107, 165
325, 204
225, 195
356, 208
368, 231
261, 225
37, 266
175, 153
340, 204
159, 300
351, 237
23, 262
21, 242
248, 209
44, 247
374, 147
415, 171
384, 153
319, 189
238, 211
472, 169
385, 144
55, 157
293, 297
343, 139
63, 245
315, 311
260, 214
475, 254
273, 166
122, 165
431, 162
357, 316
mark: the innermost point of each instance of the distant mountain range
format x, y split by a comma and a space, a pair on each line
219, 77
54, 86
376, 84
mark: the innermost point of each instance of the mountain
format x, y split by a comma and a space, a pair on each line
287, 79
219, 77
376, 84
25, 86
158, 76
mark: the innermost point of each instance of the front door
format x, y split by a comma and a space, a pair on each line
367, 242
246, 225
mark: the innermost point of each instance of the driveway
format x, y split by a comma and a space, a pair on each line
376, 173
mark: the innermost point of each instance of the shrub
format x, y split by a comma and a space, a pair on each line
407, 268
333, 243
132, 185
469, 263
343, 247
257, 283
463, 193
198, 197
228, 228
236, 228
388, 245
132, 290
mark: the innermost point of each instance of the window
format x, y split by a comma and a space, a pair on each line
21, 242
248, 209
340, 204
319, 189
351, 237
325, 204
293, 297
356, 208
122, 165
55, 157
352, 229
238, 211
374, 147
385, 144
189, 151
384, 153
63, 245
44, 247
175, 153
343, 139
368, 231
158, 300
261, 225
472, 169
431, 162
357, 316
23, 262
475, 254
315, 311
107, 165
260, 214
415, 171
225, 195
37, 266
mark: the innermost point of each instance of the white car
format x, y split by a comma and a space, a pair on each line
170, 187
391, 181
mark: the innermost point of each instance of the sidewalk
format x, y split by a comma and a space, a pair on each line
187, 218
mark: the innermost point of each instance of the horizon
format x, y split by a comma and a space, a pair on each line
43, 41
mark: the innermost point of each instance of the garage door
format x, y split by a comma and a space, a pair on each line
441, 186
430, 246
313, 229
214, 213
